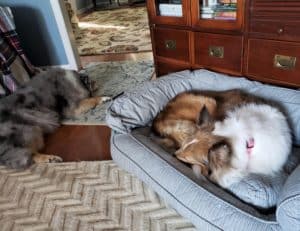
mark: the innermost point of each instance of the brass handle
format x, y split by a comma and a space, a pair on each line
215, 51
170, 44
284, 62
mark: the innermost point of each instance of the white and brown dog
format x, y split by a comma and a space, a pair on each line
225, 135
260, 142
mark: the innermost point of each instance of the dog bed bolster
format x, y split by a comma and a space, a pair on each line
288, 208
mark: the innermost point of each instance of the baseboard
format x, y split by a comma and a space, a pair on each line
83, 10
64, 66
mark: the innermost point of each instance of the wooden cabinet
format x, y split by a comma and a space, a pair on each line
259, 39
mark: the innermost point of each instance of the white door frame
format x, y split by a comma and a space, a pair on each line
66, 34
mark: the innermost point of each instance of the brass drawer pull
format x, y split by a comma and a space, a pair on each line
170, 44
284, 62
215, 51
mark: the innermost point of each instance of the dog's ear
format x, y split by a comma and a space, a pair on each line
219, 154
204, 117
185, 156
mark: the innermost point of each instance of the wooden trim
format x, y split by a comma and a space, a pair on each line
192, 47
153, 47
174, 61
66, 34
272, 81
218, 69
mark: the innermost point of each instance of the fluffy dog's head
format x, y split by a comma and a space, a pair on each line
204, 149
73, 86
69, 90
207, 151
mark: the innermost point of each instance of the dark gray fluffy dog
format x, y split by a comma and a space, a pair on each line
35, 110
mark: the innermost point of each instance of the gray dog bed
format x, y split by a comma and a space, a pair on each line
256, 203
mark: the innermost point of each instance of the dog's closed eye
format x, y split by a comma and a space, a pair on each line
219, 154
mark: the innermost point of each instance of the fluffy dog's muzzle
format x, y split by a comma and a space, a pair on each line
87, 83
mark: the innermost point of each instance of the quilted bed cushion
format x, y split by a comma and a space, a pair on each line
138, 107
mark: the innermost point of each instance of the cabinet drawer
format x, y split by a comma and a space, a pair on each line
171, 43
274, 60
163, 68
219, 52
276, 29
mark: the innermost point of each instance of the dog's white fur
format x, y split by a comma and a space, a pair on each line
272, 142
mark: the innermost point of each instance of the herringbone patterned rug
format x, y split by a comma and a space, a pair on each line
82, 196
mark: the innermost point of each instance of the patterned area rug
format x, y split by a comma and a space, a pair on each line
114, 31
112, 78
82, 196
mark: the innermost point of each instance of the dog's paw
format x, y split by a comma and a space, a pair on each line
44, 158
55, 159
106, 98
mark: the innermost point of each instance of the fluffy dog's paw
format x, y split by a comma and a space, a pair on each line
44, 158
55, 159
106, 98
89, 103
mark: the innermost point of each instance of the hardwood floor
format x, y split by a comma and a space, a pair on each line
113, 7
116, 57
79, 143
86, 143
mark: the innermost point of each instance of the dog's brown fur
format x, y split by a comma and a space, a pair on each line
187, 122
179, 118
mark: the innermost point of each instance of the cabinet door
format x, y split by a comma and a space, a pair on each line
173, 12
218, 14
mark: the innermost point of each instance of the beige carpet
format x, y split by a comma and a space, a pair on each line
82, 196
114, 31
